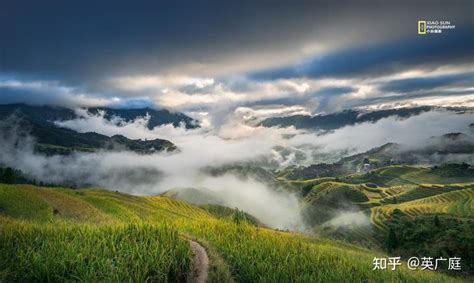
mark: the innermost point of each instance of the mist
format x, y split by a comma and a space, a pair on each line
232, 143
348, 219
155, 174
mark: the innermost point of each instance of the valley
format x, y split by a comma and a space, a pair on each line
239, 220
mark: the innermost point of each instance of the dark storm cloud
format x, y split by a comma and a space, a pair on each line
37, 94
425, 83
446, 49
161, 53
83, 41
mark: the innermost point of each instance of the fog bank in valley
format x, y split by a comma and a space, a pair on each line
231, 143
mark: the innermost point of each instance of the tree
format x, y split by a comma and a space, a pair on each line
436, 221
238, 216
8, 176
392, 242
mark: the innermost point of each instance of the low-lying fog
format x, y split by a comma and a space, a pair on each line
233, 142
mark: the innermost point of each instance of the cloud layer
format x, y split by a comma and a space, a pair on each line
214, 58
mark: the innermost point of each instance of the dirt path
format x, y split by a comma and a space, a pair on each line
200, 263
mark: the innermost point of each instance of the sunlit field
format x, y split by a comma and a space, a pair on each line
55, 244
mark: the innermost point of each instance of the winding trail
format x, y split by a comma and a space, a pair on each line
200, 263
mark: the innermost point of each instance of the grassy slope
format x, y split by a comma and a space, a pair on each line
63, 234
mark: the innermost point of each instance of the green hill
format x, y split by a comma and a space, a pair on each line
24, 120
55, 234
326, 199
367, 208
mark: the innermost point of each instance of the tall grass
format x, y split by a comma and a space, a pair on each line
135, 252
262, 255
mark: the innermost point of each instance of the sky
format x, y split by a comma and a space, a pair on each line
220, 59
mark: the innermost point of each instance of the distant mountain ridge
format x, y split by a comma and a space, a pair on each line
157, 117
345, 118
38, 121
55, 113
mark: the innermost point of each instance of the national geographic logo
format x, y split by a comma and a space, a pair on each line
421, 27
434, 26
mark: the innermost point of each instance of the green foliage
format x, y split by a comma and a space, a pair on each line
14, 176
8, 176
233, 213
392, 242
239, 216
453, 170
434, 237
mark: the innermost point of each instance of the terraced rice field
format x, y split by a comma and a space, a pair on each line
426, 190
458, 203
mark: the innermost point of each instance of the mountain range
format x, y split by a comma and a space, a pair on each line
348, 117
39, 122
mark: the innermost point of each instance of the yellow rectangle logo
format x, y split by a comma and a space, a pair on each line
421, 27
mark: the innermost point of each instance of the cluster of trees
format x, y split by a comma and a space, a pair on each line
453, 170
432, 236
239, 216
8, 175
